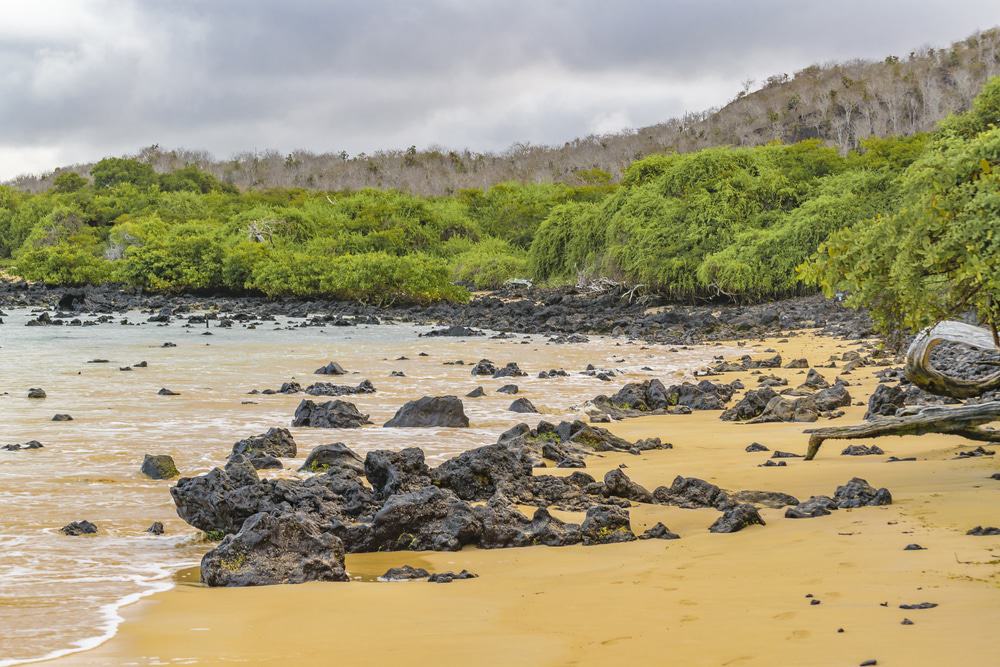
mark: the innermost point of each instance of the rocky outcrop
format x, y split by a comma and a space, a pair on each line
431, 519
606, 524
276, 442
334, 457
692, 493
330, 389
752, 405
430, 412
736, 518
275, 549
396, 472
76, 528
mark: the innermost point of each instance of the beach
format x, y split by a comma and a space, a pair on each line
745, 598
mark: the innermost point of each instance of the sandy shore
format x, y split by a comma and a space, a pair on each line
706, 599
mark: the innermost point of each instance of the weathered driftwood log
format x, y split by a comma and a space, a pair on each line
921, 372
964, 420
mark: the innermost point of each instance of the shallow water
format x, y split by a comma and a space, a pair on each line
59, 594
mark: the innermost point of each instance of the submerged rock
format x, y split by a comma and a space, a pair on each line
523, 405
155, 528
332, 368
75, 528
431, 412
36, 392
159, 466
275, 549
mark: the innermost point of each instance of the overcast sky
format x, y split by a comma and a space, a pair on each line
82, 79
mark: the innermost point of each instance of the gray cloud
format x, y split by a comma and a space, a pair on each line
80, 79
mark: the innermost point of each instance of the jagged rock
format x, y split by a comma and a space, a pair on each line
770, 362
76, 528
980, 531
430, 519
159, 466
617, 483
606, 524
884, 401
523, 405
781, 409
275, 442
330, 389
332, 368
772, 499
659, 532
692, 493
337, 456
448, 577
504, 526
753, 403
155, 528
797, 363
477, 473
833, 397
62, 418
484, 367
396, 472
737, 518
757, 447
510, 370
275, 549
405, 573
862, 450
430, 411
814, 380
476, 393
331, 414
167, 392
859, 493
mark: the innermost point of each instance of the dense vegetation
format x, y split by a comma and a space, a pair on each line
908, 227
841, 104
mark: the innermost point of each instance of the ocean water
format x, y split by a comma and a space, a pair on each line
60, 594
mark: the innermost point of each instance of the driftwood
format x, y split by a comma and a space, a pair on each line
965, 420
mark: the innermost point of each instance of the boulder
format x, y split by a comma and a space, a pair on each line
781, 409
859, 493
814, 507
405, 573
617, 483
772, 499
659, 532
448, 577
155, 528
523, 405
62, 418
862, 450
159, 466
330, 389
275, 549
484, 367
332, 414
392, 472
36, 392
274, 442
606, 524
76, 528
510, 370
885, 400
477, 473
430, 412
835, 396
753, 403
332, 368
736, 518
335, 456
504, 526
476, 393
692, 493
430, 519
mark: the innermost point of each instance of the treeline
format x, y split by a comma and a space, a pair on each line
908, 227
841, 104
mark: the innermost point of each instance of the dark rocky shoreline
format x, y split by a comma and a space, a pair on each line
565, 313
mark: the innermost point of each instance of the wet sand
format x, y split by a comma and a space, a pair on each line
706, 599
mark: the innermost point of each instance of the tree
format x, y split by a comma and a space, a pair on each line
112, 171
69, 181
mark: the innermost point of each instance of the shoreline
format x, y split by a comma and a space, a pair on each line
704, 599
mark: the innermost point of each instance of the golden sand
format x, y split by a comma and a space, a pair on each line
706, 599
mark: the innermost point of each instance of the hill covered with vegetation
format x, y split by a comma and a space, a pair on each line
841, 104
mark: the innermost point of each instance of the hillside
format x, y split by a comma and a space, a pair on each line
840, 103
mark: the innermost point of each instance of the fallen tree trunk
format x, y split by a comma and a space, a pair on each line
964, 420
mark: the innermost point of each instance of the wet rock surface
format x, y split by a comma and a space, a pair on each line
331, 414
159, 466
431, 411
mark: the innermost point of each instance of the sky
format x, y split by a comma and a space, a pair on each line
84, 79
